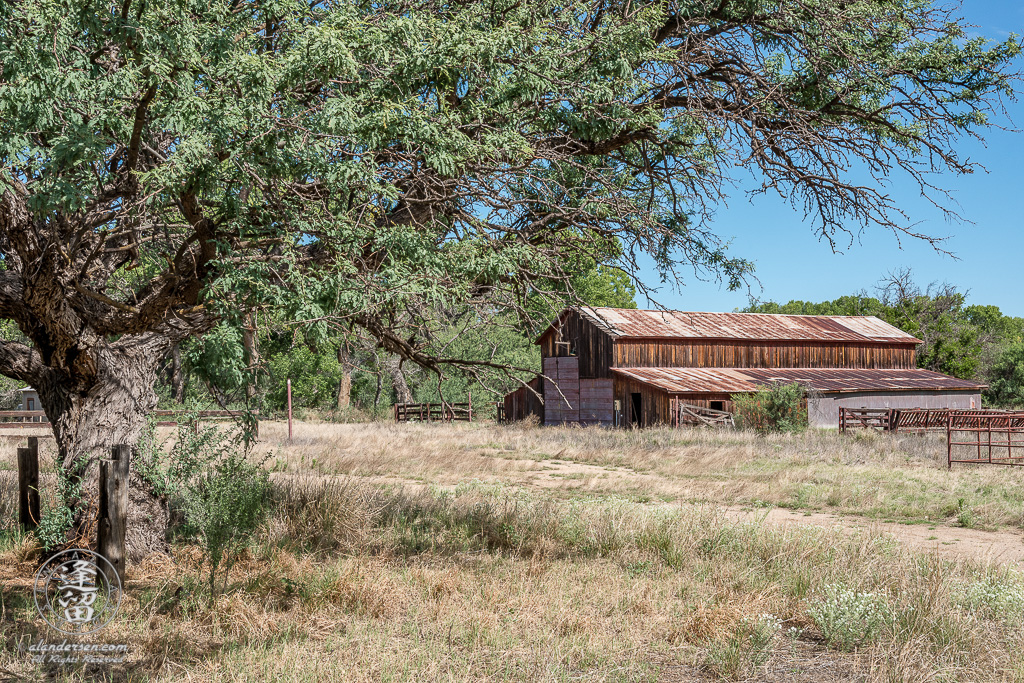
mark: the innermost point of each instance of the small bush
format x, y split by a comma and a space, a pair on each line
777, 408
746, 650
220, 496
848, 619
997, 598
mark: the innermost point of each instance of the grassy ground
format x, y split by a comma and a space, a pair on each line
454, 553
898, 477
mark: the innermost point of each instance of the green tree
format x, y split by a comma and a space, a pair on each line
1006, 379
165, 167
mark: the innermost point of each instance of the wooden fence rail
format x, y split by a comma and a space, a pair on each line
434, 412
865, 418
688, 414
16, 419
913, 420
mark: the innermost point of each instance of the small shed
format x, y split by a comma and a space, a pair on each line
29, 399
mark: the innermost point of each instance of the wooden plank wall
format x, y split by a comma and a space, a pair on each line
734, 354
592, 346
522, 402
654, 404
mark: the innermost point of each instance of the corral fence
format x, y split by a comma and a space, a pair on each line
434, 412
985, 437
912, 420
687, 414
18, 419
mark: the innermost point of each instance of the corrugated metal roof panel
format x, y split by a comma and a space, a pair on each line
739, 380
631, 323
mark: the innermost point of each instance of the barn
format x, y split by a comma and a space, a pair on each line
627, 367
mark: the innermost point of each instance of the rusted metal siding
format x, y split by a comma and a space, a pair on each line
824, 411
622, 323
581, 338
571, 399
738, 354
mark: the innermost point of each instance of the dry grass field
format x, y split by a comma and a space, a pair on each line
486, 553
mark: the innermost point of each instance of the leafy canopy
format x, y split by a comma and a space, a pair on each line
368, 166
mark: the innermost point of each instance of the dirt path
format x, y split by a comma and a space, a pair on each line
997, 547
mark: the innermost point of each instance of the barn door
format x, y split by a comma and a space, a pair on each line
636, 403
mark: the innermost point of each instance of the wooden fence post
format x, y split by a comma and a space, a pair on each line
471, 406
28, 485
113, 513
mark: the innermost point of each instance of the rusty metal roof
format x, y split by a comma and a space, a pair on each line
625, 323
829, 380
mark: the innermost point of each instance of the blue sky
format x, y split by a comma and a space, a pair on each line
792, 264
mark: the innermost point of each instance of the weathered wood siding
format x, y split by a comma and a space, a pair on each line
654, 403
597, 402
585, 341
522, 402
738, 354
561, 402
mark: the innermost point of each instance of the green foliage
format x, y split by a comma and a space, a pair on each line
56, 520
374, 166
223, 506
606, 286
1006, 378
314, 376
778, 407
849, 619
210, 483
747, 649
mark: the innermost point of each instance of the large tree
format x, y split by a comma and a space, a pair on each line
166, 165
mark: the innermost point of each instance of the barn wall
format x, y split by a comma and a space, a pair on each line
654, 403
592, 346
522, 402
824, 411
561, 402
597, 402
760, 354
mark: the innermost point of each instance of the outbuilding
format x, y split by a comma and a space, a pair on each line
629, 367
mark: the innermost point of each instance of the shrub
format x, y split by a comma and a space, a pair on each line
218, 494
776, 408
848, 619
999, 598
746, 650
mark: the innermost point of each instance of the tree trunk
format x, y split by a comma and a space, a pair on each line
402, 393
87, 422
252, 353
177, 376
345, 383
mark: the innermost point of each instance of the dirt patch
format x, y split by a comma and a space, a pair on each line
995, 547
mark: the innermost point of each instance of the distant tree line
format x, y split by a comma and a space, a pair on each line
247, 362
